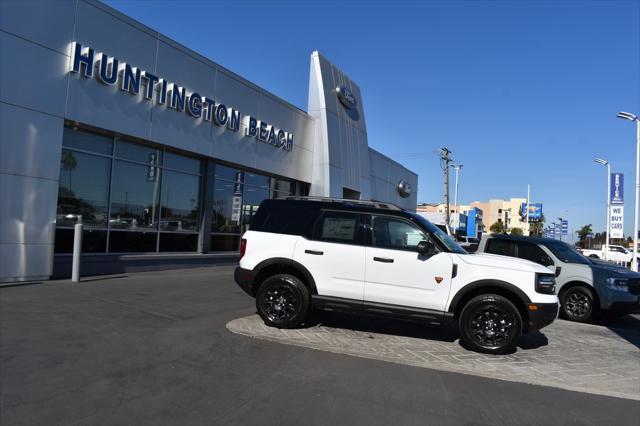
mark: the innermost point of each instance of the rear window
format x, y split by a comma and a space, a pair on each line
283, 218
501, 247
337, 227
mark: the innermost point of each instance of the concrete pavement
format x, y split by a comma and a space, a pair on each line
152, 348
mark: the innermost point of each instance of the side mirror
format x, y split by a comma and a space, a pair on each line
425, 247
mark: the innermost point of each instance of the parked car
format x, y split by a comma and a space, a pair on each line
375, 258
614, 254
470, 244
584, 286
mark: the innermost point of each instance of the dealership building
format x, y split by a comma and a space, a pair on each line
162, 154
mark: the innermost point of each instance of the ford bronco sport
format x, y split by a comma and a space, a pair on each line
375, 258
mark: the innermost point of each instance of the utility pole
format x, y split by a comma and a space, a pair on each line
527, 212
446, 161
455, 196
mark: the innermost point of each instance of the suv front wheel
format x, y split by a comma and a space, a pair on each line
491, 324
283, 301
577, 304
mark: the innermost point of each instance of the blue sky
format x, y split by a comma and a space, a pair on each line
521, 92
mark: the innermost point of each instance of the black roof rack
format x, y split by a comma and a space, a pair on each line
362, 203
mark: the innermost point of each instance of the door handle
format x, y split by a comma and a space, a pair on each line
383, 259
316, 252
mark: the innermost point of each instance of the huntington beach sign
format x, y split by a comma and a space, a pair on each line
137, 82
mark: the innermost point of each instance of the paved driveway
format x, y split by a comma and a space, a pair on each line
152, 349
566, 355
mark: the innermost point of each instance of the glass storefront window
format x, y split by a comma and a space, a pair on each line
93, 240
180, 162
132, 242
178, 242
141, 153
257, 180
225, 242
227, 173
180, 202
227, 204
252, 198
83, 189
86, 141
134, 196
281, 185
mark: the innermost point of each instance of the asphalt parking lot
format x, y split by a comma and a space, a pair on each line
153, 348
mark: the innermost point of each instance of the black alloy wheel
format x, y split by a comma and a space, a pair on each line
282, 301
490, 324
577, 304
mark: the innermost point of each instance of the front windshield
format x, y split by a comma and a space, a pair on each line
565, 253
438, 234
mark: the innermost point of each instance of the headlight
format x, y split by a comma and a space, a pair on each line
545, 283
620, 284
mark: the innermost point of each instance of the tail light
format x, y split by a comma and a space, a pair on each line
243, 247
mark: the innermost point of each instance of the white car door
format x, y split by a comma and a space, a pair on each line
334, 255
396, 274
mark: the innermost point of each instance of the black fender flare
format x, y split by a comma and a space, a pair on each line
485, 284
284, 263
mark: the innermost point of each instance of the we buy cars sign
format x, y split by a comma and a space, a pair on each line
616, 218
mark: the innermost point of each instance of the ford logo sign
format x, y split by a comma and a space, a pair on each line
404, 188
346, 97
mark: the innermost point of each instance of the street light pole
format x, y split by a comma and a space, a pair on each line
457, 168
631, 117
606, 241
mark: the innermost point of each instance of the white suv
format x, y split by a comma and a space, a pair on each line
375, 258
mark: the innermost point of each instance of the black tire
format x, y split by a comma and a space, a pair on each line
283, 301
577, 304
490, 324
595, 256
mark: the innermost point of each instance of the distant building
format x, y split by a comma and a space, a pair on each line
505, 211
466, 222
486, 214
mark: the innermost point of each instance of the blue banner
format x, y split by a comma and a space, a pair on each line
565, 227
535, 212
617, 188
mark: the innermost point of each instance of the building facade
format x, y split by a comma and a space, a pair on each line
467, 221
505, 211
162, 154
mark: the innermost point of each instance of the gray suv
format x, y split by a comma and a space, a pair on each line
584, 286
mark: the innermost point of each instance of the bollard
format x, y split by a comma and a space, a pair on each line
77, 252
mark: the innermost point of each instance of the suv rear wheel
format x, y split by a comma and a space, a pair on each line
577, 304
283, 301
491, 324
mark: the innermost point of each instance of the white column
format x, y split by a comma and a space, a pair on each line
606, 244
634, 261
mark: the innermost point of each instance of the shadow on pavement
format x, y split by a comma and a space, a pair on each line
393, 327
627, 327
403, 328
533, 341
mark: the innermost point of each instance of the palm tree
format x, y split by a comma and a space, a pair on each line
583, 234
69, 163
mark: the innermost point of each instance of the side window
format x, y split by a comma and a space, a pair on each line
394, 233
337, 227
502, 247
533, 253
